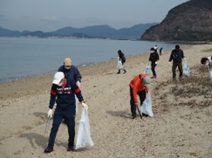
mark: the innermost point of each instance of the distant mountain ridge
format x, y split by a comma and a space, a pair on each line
96, 31
190, 21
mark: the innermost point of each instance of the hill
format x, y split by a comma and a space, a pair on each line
190, 21
97, 31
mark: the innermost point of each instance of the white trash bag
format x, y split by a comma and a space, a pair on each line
76, 100
84, 137
186, 69
147, 69
146, 107
119, 65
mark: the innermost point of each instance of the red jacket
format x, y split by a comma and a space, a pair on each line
137, 86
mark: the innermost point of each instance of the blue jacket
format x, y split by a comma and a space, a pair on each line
73, 73
65, 97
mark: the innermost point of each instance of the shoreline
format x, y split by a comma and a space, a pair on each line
42, 83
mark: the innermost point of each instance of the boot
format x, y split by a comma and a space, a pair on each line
118, 72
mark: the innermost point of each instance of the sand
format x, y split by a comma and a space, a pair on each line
181, 126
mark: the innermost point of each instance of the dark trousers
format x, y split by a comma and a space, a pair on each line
69, 116
174, 66
142, 96
153, 65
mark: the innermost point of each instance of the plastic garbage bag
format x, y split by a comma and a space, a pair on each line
84, 137
146, 107
119, 65
147, 69
186, 69
76, 100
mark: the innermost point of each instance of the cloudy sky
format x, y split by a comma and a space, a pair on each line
50, 15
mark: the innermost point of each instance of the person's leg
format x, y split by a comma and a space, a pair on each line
57, 119
180, 67
70, 119
123, 68
153, 65
142, 96
132, 103
174, 66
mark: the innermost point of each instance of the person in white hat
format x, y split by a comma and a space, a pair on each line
138, 87
63, 92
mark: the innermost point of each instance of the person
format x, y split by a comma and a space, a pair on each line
161, 51
176, 55
138, 86
62, 92
208, 62
153, 58
122, 58
71, 71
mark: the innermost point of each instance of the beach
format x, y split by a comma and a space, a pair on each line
181, 126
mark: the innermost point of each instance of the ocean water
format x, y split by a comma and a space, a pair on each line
26, 57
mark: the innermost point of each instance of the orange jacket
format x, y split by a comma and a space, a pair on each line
137, 86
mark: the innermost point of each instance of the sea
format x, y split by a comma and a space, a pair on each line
27, 57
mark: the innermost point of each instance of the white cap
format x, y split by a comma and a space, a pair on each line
146, 80
58, 76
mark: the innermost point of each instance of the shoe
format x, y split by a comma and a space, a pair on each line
134, 117
118, 72
70, 148
124, 71
48, 150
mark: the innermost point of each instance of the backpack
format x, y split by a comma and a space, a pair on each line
123, 59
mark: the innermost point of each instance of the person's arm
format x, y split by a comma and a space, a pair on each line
77, 75
170, 58
158, 57
53, 94
77, 91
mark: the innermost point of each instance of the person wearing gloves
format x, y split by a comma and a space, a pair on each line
122, 58
63, 92
176, 55
138, 86
153, 58
70, 71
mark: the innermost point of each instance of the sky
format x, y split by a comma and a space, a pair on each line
51, 15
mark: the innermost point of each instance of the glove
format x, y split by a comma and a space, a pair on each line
156, 62
84, 106
169, 63
78, 83
50, 113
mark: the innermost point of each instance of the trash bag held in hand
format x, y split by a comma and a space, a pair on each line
119, 65
186, 69
76, 103
146, 107
84, 137
147, 69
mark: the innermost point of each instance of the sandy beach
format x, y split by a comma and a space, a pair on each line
181, 126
